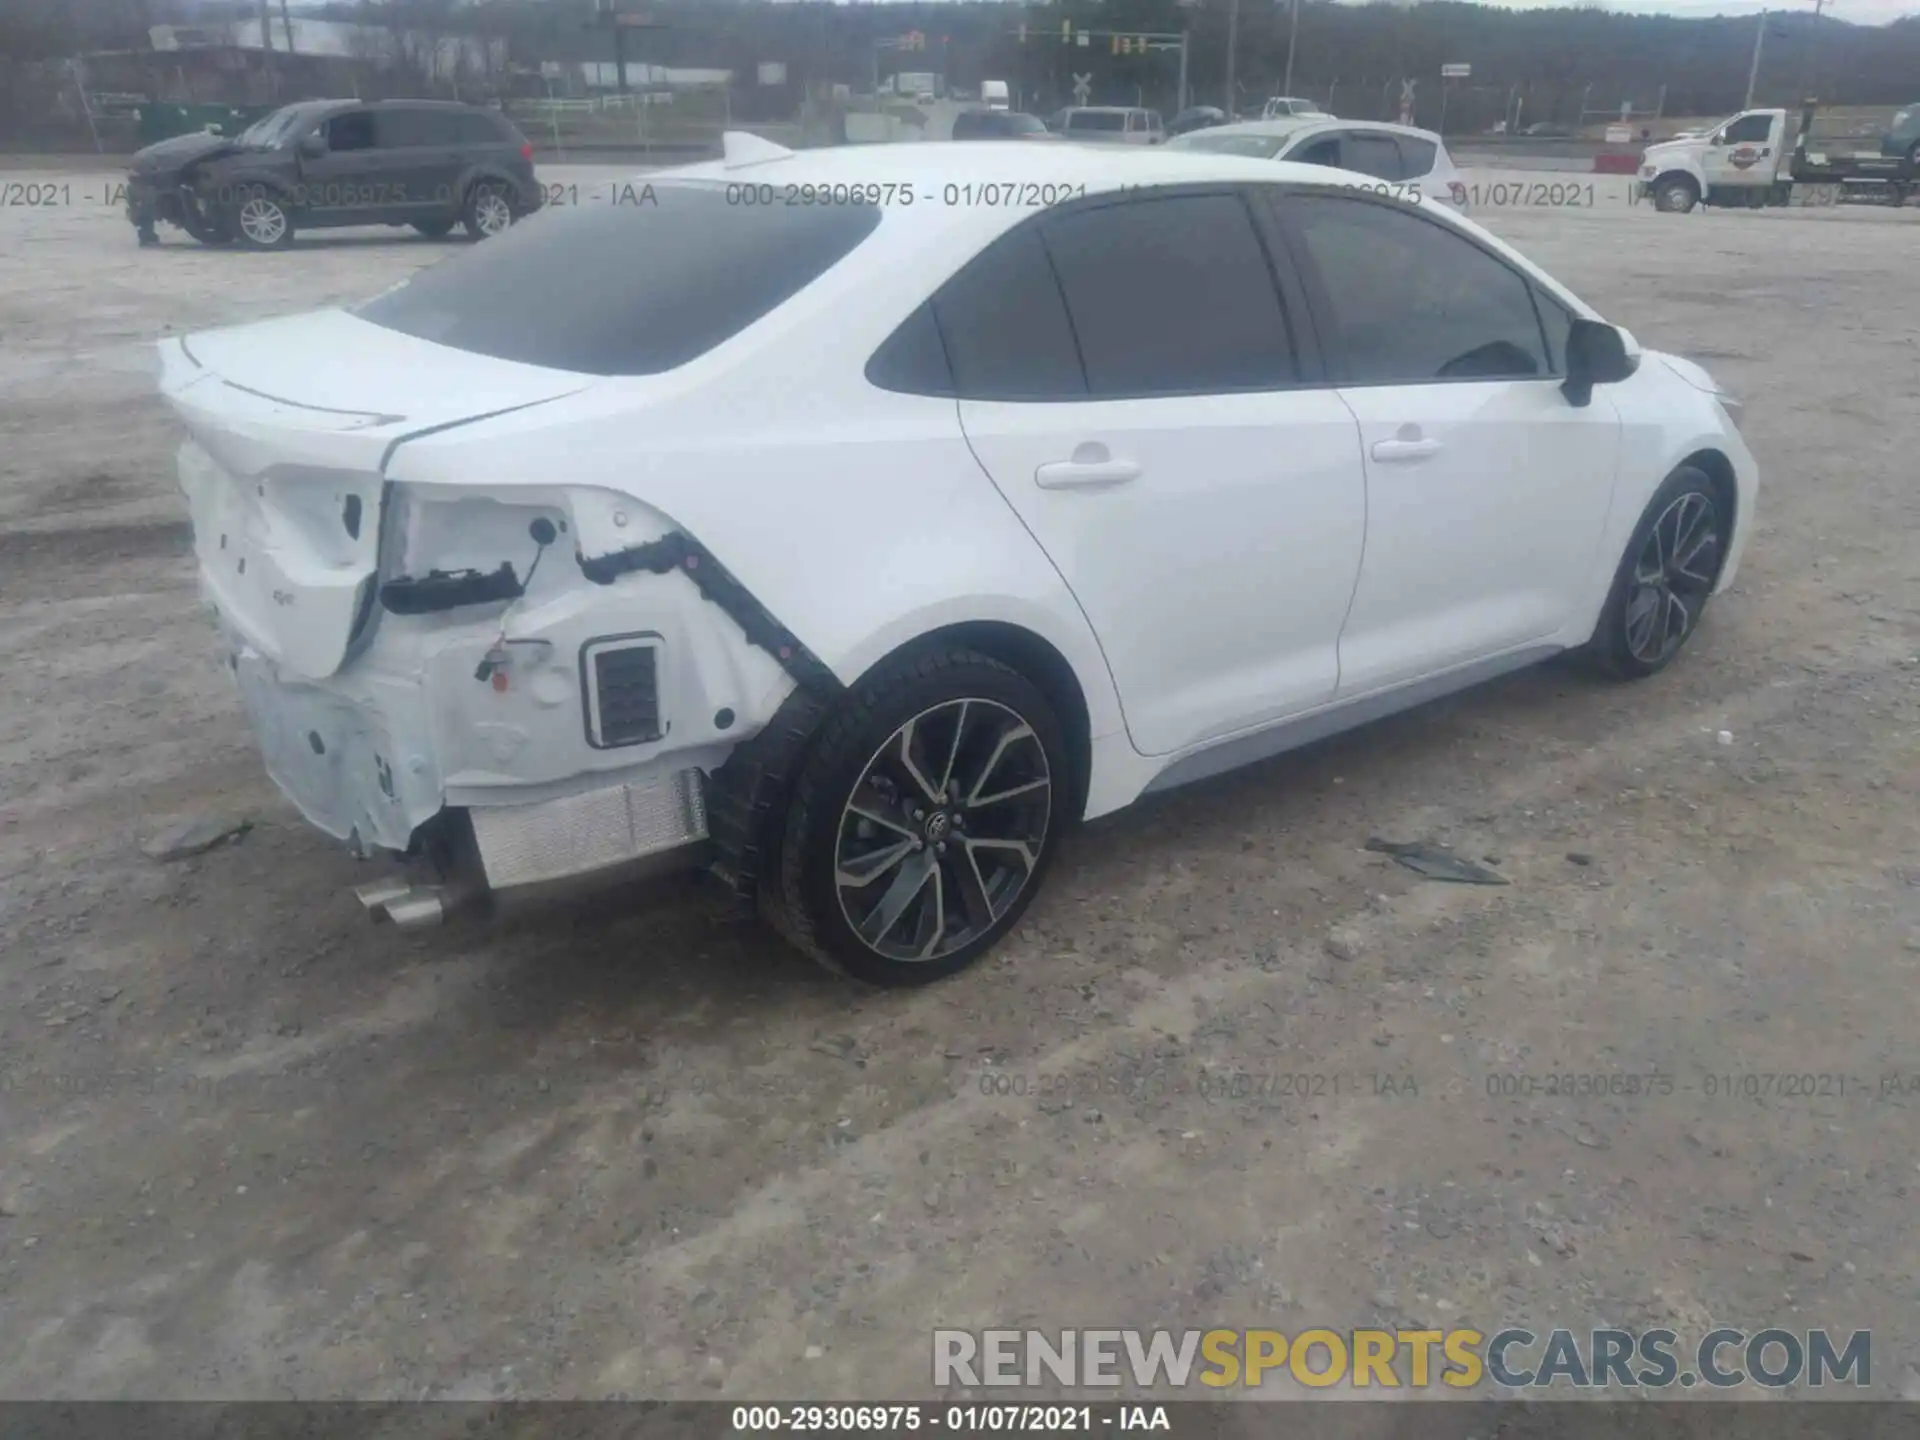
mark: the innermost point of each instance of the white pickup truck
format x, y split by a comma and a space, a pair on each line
1748, 162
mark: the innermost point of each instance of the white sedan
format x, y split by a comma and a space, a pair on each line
854, 522
1399, 157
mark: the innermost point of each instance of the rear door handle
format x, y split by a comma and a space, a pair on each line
1388, 451
1085, 474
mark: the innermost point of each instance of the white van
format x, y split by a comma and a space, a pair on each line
994, 95
1113, 125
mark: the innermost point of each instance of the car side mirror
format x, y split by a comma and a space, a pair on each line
313, 146
1597, 354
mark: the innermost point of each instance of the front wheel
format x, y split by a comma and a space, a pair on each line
1675, 196
488, 211
262, 221
923, 821
1670, 568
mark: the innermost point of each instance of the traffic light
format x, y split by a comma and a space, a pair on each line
1066, 29
1023, 32
1113, 45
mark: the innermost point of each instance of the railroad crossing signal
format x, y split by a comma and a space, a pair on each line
1082, 88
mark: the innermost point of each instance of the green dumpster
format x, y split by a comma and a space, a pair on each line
159, 122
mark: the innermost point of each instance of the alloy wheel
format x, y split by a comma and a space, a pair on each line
943, 830
262, 220
1672, 576
491, 212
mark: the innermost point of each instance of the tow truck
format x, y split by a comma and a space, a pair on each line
1747, 162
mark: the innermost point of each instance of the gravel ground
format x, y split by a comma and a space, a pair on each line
255, 1147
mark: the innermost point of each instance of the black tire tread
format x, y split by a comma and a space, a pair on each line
782, 901
1603, 653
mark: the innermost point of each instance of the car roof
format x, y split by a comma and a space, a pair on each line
1104, 109
1299, 124
925, 169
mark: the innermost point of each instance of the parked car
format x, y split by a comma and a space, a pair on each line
325, 163
999, 125
1903, 136
1196, 117
1395, 153
589, 548
1281, 106
1113, 125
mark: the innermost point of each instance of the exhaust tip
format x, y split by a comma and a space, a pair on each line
419, 909
380, 894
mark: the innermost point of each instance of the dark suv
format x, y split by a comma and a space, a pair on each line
321, 163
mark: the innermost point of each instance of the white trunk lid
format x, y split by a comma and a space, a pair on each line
292, 423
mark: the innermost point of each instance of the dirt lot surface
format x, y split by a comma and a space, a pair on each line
255, 1147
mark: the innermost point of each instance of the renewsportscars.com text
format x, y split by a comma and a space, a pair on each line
1511, 1358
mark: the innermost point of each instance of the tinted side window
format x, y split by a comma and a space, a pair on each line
399, 129
351, 131
1320, 152
1171, 296
1371, 153
1417, 155
1748, 130
1412, 301
624, 289
472, 129
1006, 327
913, 359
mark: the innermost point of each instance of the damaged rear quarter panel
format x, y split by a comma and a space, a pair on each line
857, 517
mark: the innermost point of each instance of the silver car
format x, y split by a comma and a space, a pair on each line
1397, 154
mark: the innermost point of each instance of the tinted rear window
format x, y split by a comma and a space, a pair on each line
634, 288
1097, 120
1419, 155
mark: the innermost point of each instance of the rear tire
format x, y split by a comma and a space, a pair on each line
1675, 194
489, 209
923, 820
1661, 589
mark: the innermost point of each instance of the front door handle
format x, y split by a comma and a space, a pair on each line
1388, 451
1085, 474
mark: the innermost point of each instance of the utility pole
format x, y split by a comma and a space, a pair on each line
1753, 70
1183, 68
1233, 42
1293, 35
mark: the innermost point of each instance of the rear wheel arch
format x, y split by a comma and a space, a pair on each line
1036, 658
483, 175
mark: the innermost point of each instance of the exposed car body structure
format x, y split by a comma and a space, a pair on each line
330, 163
755, 535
